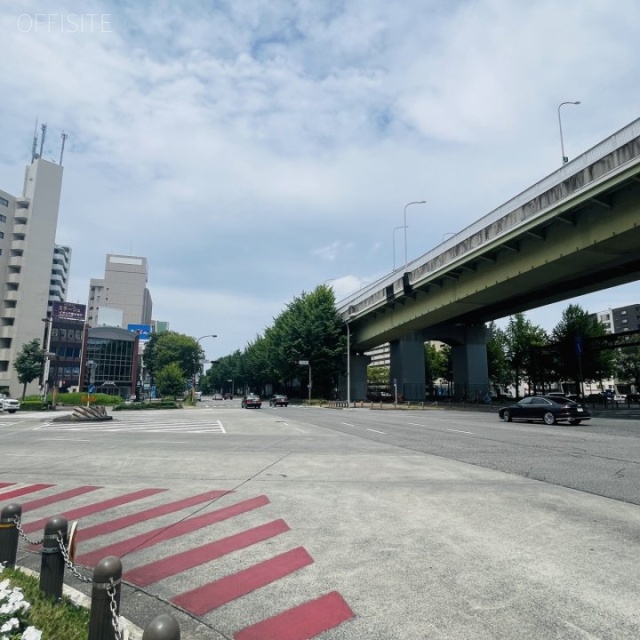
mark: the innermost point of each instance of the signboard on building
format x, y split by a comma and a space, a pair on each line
68, 310
143, 330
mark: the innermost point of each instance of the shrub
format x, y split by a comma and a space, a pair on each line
139, 406
33, 405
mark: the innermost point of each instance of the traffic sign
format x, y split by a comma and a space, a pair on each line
303, 363
92, 388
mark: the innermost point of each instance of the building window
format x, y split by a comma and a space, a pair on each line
5, 203
1, 234
3, 218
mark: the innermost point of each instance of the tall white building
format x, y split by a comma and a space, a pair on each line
27, 245
59, 283
120, 298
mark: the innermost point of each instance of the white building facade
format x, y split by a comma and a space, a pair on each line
120, 298
27, 244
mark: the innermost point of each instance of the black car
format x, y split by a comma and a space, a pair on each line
279, 401
549, 409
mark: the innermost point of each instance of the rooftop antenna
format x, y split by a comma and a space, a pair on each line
43, 127
64, 138
34, 155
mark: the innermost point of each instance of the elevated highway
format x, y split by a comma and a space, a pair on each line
574, 232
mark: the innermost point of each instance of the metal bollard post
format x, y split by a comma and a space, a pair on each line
52, 566
162, 627
9, 534
105, 599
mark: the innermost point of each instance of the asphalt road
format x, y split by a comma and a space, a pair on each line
358, 524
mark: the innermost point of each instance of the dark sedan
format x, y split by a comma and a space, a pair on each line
549, 409
279, 401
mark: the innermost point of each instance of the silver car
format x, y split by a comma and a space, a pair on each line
10, 405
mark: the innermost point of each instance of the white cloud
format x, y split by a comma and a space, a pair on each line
257, 149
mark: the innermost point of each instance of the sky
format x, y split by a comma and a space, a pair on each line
252, 150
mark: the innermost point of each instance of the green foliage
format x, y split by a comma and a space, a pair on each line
170, 380
32, 405
170, 347
29, 363
79, 398
436, 363
627, 364
144, 406
497, 357
519, 338
308, 329
575, 362
378, 376
61, 619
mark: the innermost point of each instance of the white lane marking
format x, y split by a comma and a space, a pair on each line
300, 430
376, 431
348, 424
415, 424
458, 431
63, 440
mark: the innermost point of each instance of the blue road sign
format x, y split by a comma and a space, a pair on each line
92, 388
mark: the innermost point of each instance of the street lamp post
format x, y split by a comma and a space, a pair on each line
564, 158
406, 260
394, 245
195, 367
348, 364
47, 347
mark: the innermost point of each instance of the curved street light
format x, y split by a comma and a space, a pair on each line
406, 261
394, 245
564, 158
195, 368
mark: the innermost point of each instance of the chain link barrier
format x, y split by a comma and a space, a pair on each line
74, 569
113, 606
23, 535
70, 565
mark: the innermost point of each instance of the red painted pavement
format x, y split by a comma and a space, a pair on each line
6, 484
32, 488
96, 507
155, 571
302, 622
161, 510
57, 497
213, 595
171, 531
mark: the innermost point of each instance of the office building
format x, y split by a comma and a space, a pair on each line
620, 319
120, 298
27, 263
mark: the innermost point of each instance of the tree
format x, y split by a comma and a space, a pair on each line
521, 335
171, 347
309, 329
575, 361
497, 357
436, 364
170, 380
628, 366
29, 363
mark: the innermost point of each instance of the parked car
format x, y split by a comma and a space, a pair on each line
228, 396
549, 409
279, 400
251, 401
10, 405
217, 396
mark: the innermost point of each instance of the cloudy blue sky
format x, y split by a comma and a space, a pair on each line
253, 149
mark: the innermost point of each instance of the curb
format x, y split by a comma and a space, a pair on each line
130, 630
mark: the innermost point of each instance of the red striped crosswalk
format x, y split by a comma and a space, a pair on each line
304, 621
215, 594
